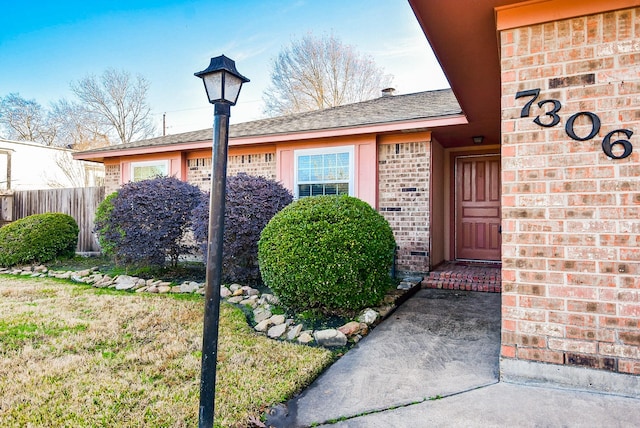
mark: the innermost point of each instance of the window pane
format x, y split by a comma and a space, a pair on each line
316, 189
304, 190
342, 188
303, 162
149, 171
342, 173
331, 189
303, 175
330, 160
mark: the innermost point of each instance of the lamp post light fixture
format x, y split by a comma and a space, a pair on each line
222, 83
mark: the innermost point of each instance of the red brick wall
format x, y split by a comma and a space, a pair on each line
403, 199
571, 215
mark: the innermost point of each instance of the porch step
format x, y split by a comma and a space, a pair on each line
465, 276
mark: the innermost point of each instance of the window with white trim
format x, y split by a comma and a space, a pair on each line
325, 171
149, 169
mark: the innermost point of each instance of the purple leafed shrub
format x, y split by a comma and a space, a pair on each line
149, 220
249, 205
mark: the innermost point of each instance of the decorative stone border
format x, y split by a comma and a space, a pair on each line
274, 326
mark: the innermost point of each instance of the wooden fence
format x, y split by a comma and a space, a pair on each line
79, 203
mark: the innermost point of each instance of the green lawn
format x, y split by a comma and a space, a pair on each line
75, 356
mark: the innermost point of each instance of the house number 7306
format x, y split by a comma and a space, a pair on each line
552, 119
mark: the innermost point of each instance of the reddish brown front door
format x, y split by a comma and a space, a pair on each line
478, 208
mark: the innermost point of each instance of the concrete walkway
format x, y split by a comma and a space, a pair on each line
434, 362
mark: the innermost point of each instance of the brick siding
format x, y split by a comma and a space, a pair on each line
571, 253
259, 165
111, 179
403, 199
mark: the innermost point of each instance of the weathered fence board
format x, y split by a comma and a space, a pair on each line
79, 203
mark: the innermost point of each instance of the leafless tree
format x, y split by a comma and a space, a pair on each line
316, 73
77, 127
120, 101
25, 120
74, 173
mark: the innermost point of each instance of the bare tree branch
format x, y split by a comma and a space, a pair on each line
119, 101
76, 173
77, 127
316, 73
25, 120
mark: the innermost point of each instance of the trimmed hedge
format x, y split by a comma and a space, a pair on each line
333, 253
38, 238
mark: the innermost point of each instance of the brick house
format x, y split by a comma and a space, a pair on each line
381, 150
556, 82
532, 159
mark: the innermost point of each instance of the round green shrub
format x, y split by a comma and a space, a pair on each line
38, 238
333, 253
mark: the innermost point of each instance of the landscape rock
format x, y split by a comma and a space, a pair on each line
164, 288
330, 337
270, 298
250, 302
125, 282
277, 319
189, 287
235, 299
263, 325
305, 338
224, 292
294, 332
351, 328
368, 316
261, 314
277, 331
249, 291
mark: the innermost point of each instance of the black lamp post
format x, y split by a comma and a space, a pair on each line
222, 83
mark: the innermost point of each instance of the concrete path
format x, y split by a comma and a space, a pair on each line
434, 362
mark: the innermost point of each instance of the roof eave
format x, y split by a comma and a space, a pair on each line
406, 125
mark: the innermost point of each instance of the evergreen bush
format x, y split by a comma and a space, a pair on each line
250, 203
333, 253
148, 221
102, 225
38, 238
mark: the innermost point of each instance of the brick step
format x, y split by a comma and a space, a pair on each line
467, 278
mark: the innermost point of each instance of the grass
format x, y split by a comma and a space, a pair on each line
72, 355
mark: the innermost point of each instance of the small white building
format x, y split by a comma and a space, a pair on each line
26, 165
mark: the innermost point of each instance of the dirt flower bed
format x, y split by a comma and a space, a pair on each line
72, 355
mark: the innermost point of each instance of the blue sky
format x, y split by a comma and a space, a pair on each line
45, 45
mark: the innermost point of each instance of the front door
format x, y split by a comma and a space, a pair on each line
477, 233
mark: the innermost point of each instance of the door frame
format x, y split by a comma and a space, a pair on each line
453, 159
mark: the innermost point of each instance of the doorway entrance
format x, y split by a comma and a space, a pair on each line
477, 208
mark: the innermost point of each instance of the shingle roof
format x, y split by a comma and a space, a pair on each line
383, 110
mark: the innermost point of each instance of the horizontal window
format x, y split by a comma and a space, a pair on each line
149, 169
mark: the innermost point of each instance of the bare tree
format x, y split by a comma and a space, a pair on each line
74, 173
25, 120
316, 73
77, 127
120, 101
